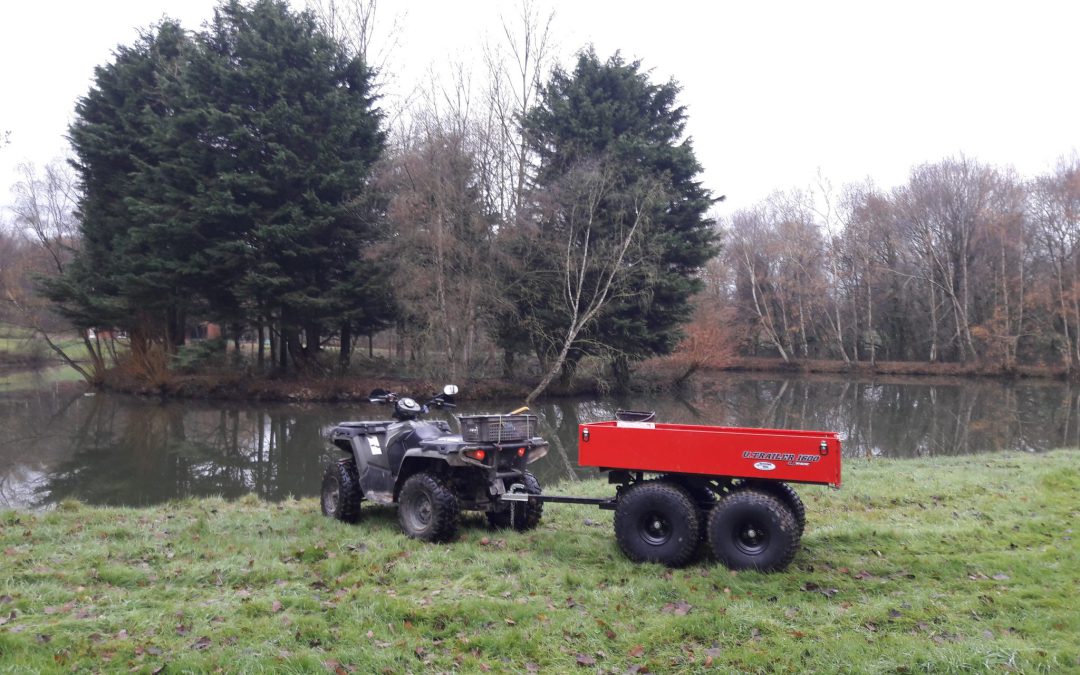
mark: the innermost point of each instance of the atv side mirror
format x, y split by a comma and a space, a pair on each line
450, 390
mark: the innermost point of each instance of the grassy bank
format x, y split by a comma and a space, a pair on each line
941, 565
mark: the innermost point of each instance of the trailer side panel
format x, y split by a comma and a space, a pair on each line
772, 454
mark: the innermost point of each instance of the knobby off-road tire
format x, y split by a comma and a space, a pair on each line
657, 521
521, 516
786, 494
427, 509
340, 496
751, 529
698, 488
704, 498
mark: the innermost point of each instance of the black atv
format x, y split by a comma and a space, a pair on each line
432, 474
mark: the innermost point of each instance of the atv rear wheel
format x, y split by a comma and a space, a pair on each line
427, 509
340, 496
521, 516
657, 521
751, 529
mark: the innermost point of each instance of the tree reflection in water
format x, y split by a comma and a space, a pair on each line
120, 450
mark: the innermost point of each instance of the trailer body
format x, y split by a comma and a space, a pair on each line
791, 456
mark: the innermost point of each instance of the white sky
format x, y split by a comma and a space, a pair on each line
774, 90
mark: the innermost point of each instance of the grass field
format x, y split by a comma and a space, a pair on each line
935, 565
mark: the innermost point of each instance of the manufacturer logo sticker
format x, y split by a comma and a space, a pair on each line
764, 466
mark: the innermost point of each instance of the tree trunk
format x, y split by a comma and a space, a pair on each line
313, 337
262, 346
555, 368
508, 364
620, 368
346, 346
283, 345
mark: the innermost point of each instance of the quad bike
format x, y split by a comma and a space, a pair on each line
432, 474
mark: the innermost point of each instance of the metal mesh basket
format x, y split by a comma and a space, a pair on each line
497, 428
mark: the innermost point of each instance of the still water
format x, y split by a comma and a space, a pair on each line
57, 443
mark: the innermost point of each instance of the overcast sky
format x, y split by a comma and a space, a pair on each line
774, 90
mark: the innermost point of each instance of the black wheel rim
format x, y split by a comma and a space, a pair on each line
750, 537
419, 511
331, 496
655, 528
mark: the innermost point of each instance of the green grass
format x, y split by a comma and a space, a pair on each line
940, 565
25, 380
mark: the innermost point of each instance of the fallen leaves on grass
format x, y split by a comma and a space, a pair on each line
585, 660
338, 668
201, 643
680, 608
811, 587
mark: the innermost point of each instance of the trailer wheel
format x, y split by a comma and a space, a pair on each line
521, 516
699, 490
657, 521
427, 509
340, 495
751, 529
786, 494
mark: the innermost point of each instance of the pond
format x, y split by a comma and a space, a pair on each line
58, 443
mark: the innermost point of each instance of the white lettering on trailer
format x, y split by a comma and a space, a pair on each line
789, 457
373, 443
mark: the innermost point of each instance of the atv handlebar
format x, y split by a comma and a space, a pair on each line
444, 399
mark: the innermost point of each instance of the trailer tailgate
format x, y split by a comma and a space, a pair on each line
774, 454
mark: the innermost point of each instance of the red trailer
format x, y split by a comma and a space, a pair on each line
724, 487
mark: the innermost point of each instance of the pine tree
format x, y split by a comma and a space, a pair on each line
295, 120
227, 174
609, 114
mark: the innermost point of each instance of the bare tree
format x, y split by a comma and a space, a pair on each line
44, 211
594, 240
1054, 212
354, 25
516, 70
45, 208
749, 250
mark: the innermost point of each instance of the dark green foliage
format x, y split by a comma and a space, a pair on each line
117, 279
225, 174
191, 357
608, 117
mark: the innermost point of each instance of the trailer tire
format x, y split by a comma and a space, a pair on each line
752, 529
521, 516
786, 494
699, 490
427, 508
657, 521
340, 495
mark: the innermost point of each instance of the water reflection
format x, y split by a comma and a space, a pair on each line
120, 450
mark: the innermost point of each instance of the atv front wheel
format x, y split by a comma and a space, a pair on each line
521, 516
751, 529
656, 521
427, 509
340, 495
